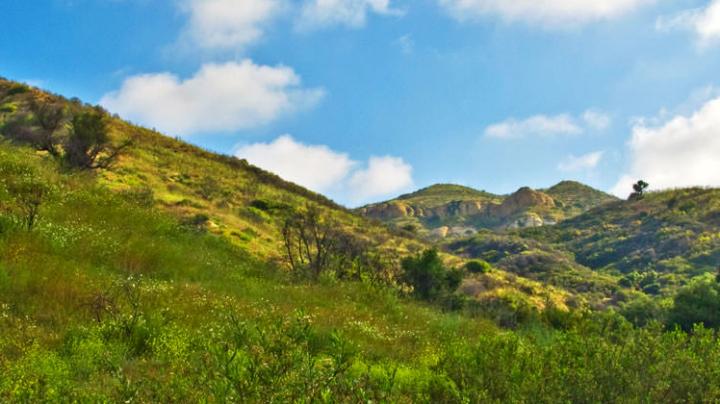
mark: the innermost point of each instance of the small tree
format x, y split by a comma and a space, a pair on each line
88, 145
50, 118
316, 244
429, 277
639, 190
22, 195
309, 241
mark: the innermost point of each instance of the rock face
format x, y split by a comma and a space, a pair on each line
396, 209
463, 217
459, 231
526, 221
522, 200
388, 211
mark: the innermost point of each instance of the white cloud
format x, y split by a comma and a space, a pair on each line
316, 167
220, 98
322, 169
227, 24
705, 22
383, 176
679, 153
541, 125
596, 120
317, 14
545, 125
579, 163
708, 24
549, 13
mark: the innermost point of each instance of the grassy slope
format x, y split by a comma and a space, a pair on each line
112, 299
91, 243
186, 181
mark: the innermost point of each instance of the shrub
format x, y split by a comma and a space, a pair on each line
23, 192
697, 303
478, 266
429, 277
142, 196
18, 88
642, 311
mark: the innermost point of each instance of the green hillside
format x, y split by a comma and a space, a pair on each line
576, 198
138, 268
545, 263
656, 244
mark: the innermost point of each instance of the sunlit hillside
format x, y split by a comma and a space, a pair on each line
135, 267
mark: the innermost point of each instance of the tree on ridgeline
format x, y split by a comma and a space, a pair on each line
639, 190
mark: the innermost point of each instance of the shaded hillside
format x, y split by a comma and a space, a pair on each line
446, 210
656, 243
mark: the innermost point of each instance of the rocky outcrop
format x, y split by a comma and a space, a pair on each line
519, 210
526, 221
396, 209
522, 200
388, 211
458, 231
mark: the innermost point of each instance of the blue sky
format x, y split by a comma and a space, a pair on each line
366, 99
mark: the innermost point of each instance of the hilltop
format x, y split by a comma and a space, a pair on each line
446, 210
575, 198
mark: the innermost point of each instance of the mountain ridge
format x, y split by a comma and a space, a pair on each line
443, 209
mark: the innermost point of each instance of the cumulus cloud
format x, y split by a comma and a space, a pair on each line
705, 22
541, 125
322, 169
219, 98
574, 163
383, 176
679, 153
544, 125
551, 13
227, 24
316, 167
316, 14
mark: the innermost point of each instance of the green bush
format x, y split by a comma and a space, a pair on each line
478, 267
429, 277
697, 303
